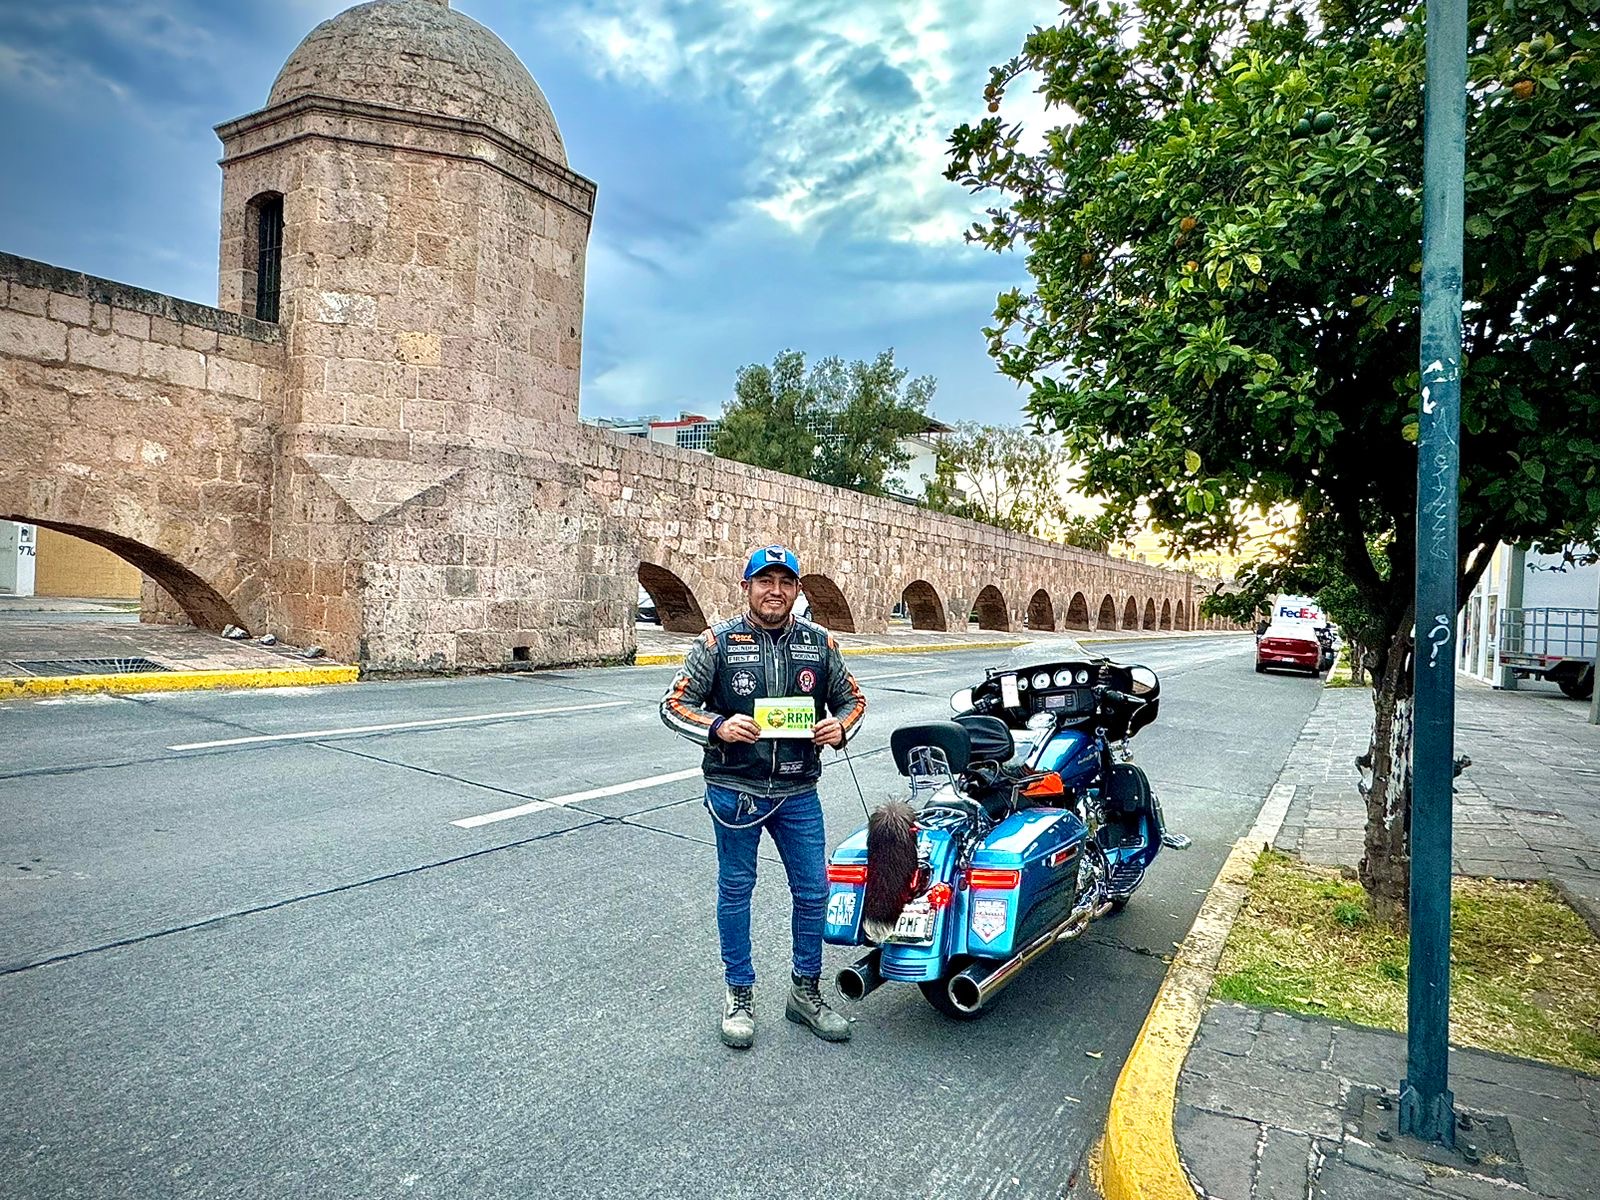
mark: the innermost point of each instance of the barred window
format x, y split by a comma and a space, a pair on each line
269, 255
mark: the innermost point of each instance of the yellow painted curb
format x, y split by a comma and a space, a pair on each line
177, 681
1139, 1152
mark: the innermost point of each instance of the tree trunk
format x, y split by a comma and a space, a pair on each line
1385, 869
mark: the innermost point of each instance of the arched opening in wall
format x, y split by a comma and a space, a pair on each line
1078, 612
1149, 614
1166, 614
69, 568
1108, 614
990, 609
829, 608
1178, 617
1130, 614
1041, 613
675, 605
924, 605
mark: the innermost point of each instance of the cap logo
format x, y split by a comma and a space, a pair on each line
774, 555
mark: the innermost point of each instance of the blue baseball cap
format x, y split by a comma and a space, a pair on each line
772, 556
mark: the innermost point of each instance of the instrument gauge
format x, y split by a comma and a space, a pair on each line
1022, 683
1063, 678
1042, 679
1083, 676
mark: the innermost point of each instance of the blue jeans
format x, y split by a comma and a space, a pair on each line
796, 828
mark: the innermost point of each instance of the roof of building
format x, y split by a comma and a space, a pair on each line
423, 56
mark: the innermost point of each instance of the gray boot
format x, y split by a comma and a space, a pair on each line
806, 1007
739, 1016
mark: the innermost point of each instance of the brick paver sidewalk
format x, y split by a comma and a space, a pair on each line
1272, 1106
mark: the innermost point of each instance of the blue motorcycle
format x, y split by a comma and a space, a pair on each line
1025, 821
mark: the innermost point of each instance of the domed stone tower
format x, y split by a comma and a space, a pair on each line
403, 208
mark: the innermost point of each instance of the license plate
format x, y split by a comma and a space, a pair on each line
915, 924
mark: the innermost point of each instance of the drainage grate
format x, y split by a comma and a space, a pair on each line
81, 666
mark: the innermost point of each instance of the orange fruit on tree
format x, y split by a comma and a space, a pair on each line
1522, 89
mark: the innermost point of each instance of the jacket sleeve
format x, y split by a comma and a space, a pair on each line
683, 707
845, 698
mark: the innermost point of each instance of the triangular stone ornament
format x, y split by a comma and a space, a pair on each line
376, 487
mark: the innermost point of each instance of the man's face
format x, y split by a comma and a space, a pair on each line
772, 593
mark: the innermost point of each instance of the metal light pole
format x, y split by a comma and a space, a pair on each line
1427, 1109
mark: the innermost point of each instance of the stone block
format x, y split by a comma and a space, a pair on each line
74, 310
31, 300
173, 364
1220, 1152
37, 338
130, 324
107, 351
233, 378
197, 337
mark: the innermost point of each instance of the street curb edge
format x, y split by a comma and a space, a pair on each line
1139, 1151
177, 681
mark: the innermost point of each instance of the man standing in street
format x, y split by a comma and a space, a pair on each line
763, 693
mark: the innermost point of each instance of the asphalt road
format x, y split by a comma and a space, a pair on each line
276, 968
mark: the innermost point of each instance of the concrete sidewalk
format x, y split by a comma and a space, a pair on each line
47, 655
1270, 1105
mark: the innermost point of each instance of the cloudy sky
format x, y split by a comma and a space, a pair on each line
768, 170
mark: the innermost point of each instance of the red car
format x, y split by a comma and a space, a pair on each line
1289, 646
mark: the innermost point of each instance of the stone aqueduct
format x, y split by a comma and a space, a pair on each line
394, 468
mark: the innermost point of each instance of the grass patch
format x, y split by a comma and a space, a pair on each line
1524, 968
1339, 675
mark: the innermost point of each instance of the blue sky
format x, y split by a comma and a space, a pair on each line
768, 170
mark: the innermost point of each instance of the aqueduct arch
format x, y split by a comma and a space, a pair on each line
1041, 613
1150, 613
1166, 614
829, 608
1178, 617
1130, 614
924, 605
1108, 614
676, 605
991, 609
1078, 612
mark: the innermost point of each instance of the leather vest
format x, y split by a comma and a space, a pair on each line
752, 665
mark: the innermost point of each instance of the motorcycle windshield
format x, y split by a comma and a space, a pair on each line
1049, 651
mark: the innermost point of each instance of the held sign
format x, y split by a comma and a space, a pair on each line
786, 716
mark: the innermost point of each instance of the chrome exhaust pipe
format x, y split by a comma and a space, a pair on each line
861, 978
971, 989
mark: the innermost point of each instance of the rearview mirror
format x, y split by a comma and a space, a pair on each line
1144, 680
961, 701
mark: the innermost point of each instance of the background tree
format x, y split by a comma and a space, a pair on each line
1009, 476
1223, 236
838, 423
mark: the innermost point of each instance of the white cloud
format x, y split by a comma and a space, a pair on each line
849, 103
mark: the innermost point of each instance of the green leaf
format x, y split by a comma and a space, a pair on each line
1533, 469
1191, 462
1410, 431
1253, 261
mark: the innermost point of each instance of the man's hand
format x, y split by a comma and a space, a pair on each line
828, 732
739, 728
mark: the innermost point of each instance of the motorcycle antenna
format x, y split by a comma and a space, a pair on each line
845, 750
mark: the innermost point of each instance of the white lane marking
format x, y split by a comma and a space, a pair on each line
533, 806
313, 734
898, 674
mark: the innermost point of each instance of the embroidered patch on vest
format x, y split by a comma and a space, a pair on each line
806, 680
743, 683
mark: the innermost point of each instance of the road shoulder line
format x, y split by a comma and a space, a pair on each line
1139, 1152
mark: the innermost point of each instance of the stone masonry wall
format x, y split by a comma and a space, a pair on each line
143, 423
